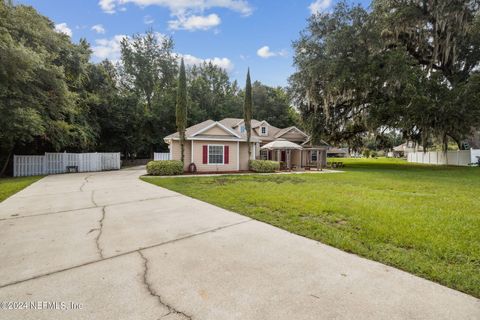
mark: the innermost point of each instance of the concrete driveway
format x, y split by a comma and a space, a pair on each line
109, 246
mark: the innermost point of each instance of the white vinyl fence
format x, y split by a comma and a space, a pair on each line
161, 156
453, 158
53, 163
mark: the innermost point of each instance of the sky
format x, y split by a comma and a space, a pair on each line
234, 34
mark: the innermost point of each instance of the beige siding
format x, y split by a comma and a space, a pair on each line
198, 156
216, 131
175, 151
243, 156
296, 157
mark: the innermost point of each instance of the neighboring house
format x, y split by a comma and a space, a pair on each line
337, 152
402, 150
221, 146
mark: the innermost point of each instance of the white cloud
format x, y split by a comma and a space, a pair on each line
63, 28
98, 28
194, 22
108, 48
107, 6
181, 6
188, 14
264, 52
223, 63
148, 19
319, 6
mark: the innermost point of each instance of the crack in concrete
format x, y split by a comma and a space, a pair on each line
100, 230
152, 292
85, 182
85, 208
92, 198
124, 253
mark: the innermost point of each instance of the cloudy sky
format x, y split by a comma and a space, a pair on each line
234, 34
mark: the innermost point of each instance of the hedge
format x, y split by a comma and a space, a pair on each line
264, 165
165, 167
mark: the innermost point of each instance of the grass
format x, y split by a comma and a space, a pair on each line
422, 219
10, 186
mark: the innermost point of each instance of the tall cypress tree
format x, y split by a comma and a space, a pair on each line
181, 109
247, 112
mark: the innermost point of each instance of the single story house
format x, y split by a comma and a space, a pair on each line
402, 150
221, 146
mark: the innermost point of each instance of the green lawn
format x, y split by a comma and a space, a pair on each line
10, 186
422, 219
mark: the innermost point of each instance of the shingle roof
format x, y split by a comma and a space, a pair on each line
191, 130
233, 123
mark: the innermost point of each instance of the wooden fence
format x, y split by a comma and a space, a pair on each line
53, 163
453, 158
161, 156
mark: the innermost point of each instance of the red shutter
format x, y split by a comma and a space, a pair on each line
205, 154
225, 154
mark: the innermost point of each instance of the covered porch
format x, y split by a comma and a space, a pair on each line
293, 156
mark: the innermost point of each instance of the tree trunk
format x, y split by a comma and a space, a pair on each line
5, 165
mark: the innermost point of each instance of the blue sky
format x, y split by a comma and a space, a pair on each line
234, 34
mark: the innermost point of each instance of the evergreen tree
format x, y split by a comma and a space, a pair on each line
247, 112
181, 111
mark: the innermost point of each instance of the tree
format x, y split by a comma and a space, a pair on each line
181, 110
408, 65
148, 71
247, 112
41, 74
212, 95
273, 105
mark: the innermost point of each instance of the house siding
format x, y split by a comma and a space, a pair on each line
216, 131
175, 150
243, 156
198, 156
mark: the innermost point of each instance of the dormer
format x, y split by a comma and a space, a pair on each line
263, 130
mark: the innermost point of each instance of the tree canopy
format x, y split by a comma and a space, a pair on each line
406, 65
54, 98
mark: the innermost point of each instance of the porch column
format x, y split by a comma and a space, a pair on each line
318, 159
289, 159
278, 155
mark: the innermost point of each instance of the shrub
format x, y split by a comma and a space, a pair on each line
165, 167
264, 165
366, 153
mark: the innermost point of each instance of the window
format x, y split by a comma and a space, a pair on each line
264, 154
263, 130
242, 129
313, 155
215, 154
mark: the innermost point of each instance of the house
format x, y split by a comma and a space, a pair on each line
401, 151
337, 152
221, 146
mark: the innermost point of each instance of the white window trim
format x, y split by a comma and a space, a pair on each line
266, 131
314, 152
223, 154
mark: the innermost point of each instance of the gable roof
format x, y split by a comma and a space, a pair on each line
218, 124
195, 132
230, 125
281, 132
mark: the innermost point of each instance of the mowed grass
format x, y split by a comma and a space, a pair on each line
10, 186
422, 219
